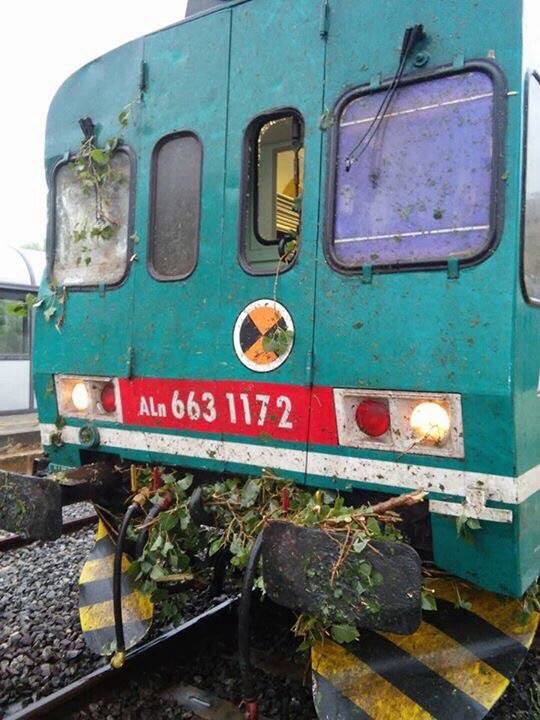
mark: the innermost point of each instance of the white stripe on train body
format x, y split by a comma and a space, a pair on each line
498, 488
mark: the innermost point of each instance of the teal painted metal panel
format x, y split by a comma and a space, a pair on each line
277, 61
175, 322
96, 333
421, 330
500, 557
187, 90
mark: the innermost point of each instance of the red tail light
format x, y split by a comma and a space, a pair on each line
108, 399
373, 417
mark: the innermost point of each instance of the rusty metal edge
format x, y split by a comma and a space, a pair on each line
13, 542
96, 684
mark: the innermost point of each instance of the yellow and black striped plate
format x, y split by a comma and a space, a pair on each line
95, 600
454, 667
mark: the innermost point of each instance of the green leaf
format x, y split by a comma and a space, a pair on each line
167, 547
373, 606
107, 232
360, 588
360, 544
279, 342
48, 313
327, 120
373, 526
429, 602
123, 117
236, 546
304, 645
473, 524
185, 518
111, 145
364, 568
18, 309
185, 483
259, 584
344, 633
168, 521
215, 545
460, 524
250, 492
100, 156
157, 572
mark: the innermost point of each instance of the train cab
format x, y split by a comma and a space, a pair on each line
305, 236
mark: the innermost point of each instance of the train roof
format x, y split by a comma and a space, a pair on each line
196, 6
21, 268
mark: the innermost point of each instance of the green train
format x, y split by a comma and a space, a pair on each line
316, 249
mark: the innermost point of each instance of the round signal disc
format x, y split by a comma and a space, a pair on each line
263, 335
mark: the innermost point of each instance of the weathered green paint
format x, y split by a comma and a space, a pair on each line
422, 331
498, 557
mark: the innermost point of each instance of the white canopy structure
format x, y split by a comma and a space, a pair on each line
21, 271
20, 268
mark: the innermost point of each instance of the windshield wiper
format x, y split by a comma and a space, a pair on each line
412, 35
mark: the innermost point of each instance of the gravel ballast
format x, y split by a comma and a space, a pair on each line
42, 648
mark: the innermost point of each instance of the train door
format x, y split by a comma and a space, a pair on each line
270, 235
412, 147
176, 289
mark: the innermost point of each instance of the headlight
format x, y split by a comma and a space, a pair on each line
88, 397
402, 421
430, 422
80, 397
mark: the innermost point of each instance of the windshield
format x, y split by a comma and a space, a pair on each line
91, 231
420, 191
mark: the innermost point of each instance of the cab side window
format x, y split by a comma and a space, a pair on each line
175, 206
272, 191
531, 235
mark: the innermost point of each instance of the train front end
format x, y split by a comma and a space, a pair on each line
335, 277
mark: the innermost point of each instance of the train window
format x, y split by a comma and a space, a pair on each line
13, 331
92, 229
415, 174
175, 214
273, 187
531, 244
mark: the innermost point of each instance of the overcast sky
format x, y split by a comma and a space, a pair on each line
43, 42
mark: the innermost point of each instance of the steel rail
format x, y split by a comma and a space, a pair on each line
11, 542
100, 682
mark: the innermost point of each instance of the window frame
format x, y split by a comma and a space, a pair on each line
152, 206
249, 174
529, 76
51, 231
499, 125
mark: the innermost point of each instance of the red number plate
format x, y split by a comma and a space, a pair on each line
231, 408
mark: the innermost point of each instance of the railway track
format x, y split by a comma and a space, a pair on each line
175, 669
158, 652
11, 542
179, 673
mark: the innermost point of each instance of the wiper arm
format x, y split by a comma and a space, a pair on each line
412, 36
